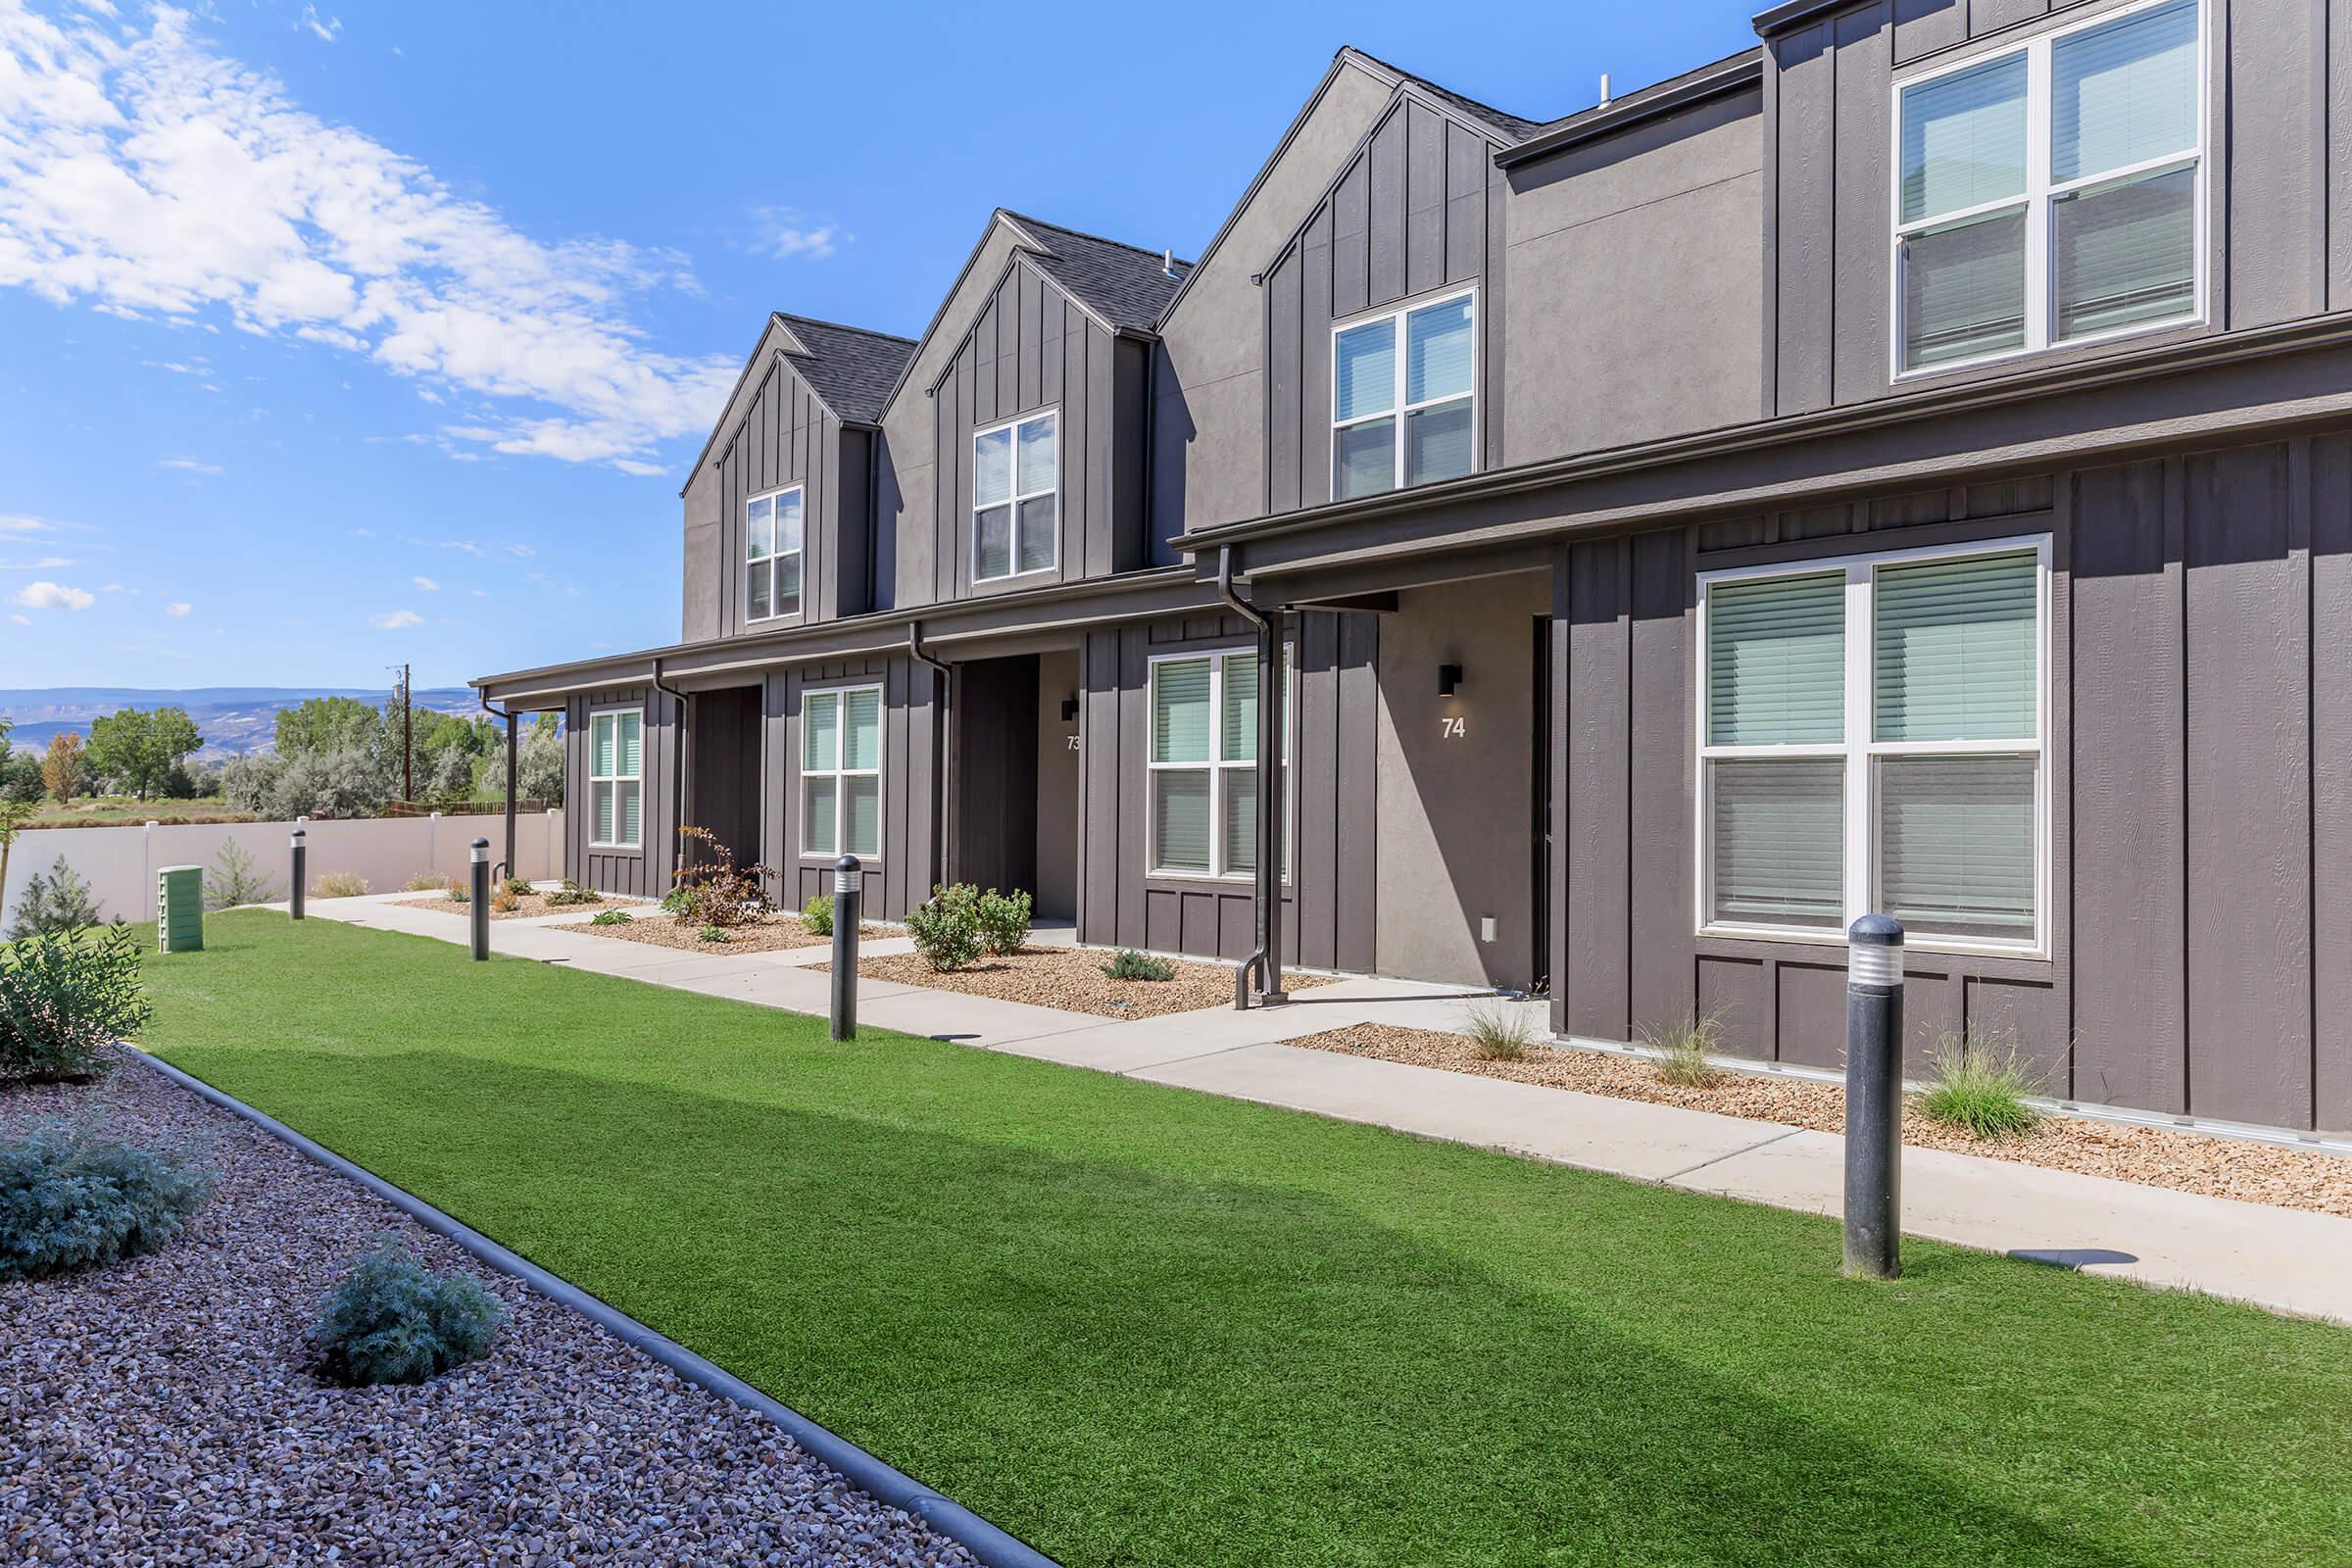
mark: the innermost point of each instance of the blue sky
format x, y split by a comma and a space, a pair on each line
333, 336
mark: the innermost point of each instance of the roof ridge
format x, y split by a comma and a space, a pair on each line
1100, 239
844, 326
1440, 87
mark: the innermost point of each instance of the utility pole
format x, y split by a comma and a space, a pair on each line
408, 740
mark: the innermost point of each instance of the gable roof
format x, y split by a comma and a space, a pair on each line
850, 368
1126, 285
1508, 128
1732, 73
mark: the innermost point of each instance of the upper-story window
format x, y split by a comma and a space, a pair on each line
1016, 489
1403, 397
771, 555
2053, 193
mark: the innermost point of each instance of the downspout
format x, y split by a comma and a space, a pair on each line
946, 731
506, 868
1266, 886
677, 771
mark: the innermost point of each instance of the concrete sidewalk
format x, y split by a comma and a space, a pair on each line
2285, 1260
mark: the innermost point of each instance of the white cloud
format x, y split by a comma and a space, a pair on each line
39, 563
427, 584
18, 523
395, 619
190, 466
324, 31
179, 609
46, 595
21, 620
142, 174
785, 234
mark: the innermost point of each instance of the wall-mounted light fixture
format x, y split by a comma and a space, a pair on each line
1449, 677
1069, 709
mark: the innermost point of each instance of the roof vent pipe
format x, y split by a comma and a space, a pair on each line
1604, 89
1167, 264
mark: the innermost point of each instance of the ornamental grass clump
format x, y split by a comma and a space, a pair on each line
1499, 1031
339, 885
1129, 965
392, 1320
946, 927
1003, 920
1981, 1084
426, 882
63, 999
72, 1197
817, 914
1686, 1049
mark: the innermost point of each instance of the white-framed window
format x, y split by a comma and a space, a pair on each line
771, 555
1873, 736
1405, 396
1017, 497
1202, 790
840, 772
617, 778
2052, 192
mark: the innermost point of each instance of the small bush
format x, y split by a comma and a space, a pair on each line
1686, 1047
611, 917
714, 933
392, 1320
1980, 1083
1498, 1030
233, 880
339, 885
58, 901
569, 894
71, 1196
517, 885
1003, 919
678, 900
817, 913
425, 882
505, 901
1129, 965
64, 998
946, 927
458, 891
717, 892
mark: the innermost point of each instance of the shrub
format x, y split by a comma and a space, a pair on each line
1498, 1030
58, 901
65, 997
504, 901
817, 913
425, 882
1686, 1047
69, 1196
612, 917
392, 1320
517, 885
459, 893
716, 891
1003, 919
713, 933
678, 900
233, 879
339, 885
569, 893
1129, 965
946, 927
1980, 1083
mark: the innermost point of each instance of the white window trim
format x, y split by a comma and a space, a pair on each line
1860, 750
1218, 768
838, 773
2041, 195
1398, 408
637, 778
774, 613
1017, 495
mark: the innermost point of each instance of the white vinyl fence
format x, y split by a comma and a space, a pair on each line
119, 862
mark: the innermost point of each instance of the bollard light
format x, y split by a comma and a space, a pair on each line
478, 905
849, 879
301, 858
1874, 1098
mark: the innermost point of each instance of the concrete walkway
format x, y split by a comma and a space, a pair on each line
2285, 1260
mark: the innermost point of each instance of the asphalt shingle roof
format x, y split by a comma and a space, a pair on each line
1510, 127
851, 369
1124, 284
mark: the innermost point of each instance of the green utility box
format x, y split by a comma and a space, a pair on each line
180, 910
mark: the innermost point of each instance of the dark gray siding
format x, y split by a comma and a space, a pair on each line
1031, 349
643, 872
786, 436
1328, 912
1418, 207
2201, 822
910, 734
2279, 166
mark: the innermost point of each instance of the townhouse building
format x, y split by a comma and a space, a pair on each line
1906, 466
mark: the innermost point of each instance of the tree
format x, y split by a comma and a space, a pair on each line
326, 724
15, 815
140, 747
63, 770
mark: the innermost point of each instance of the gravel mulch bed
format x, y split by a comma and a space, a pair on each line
2154, 1156
530, 905
159, 1410
1072, 979
771, 933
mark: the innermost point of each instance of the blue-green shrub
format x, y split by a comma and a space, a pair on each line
64, 998
71, 1196
1003, 919
946, 927
393, 1320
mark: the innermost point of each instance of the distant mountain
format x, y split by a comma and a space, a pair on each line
234, 719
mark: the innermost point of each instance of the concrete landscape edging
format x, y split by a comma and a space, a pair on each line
991, 1546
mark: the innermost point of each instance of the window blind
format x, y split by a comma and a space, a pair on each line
992, 468
1780, 843
820, 731
1956, 650
632, 825
1964, 140
1039, 459
2127, 254
759, 528
1956, 845
820, 793
2124, 94
1964, 290
632, 745
1776, 660
602, 748
1180, 718
864, 810
1180, 821
1241, 819
1437, 352
606, 818
1238, 722
862, 729
1365, 378
1437, 443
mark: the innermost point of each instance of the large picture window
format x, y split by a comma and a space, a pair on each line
840, 772
617, 779
2051, 193
1872, 737
1016, 498
1403, 397
1204, 764
771, 555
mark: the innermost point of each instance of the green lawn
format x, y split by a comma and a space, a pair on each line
1141, 1326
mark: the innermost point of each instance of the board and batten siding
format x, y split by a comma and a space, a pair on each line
910, 749
642, 872
1328, 908
785, 437
1418, 209
2200, 785
1030, 349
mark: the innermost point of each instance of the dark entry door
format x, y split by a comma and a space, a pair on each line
995, 773
724, 773
1538, 795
